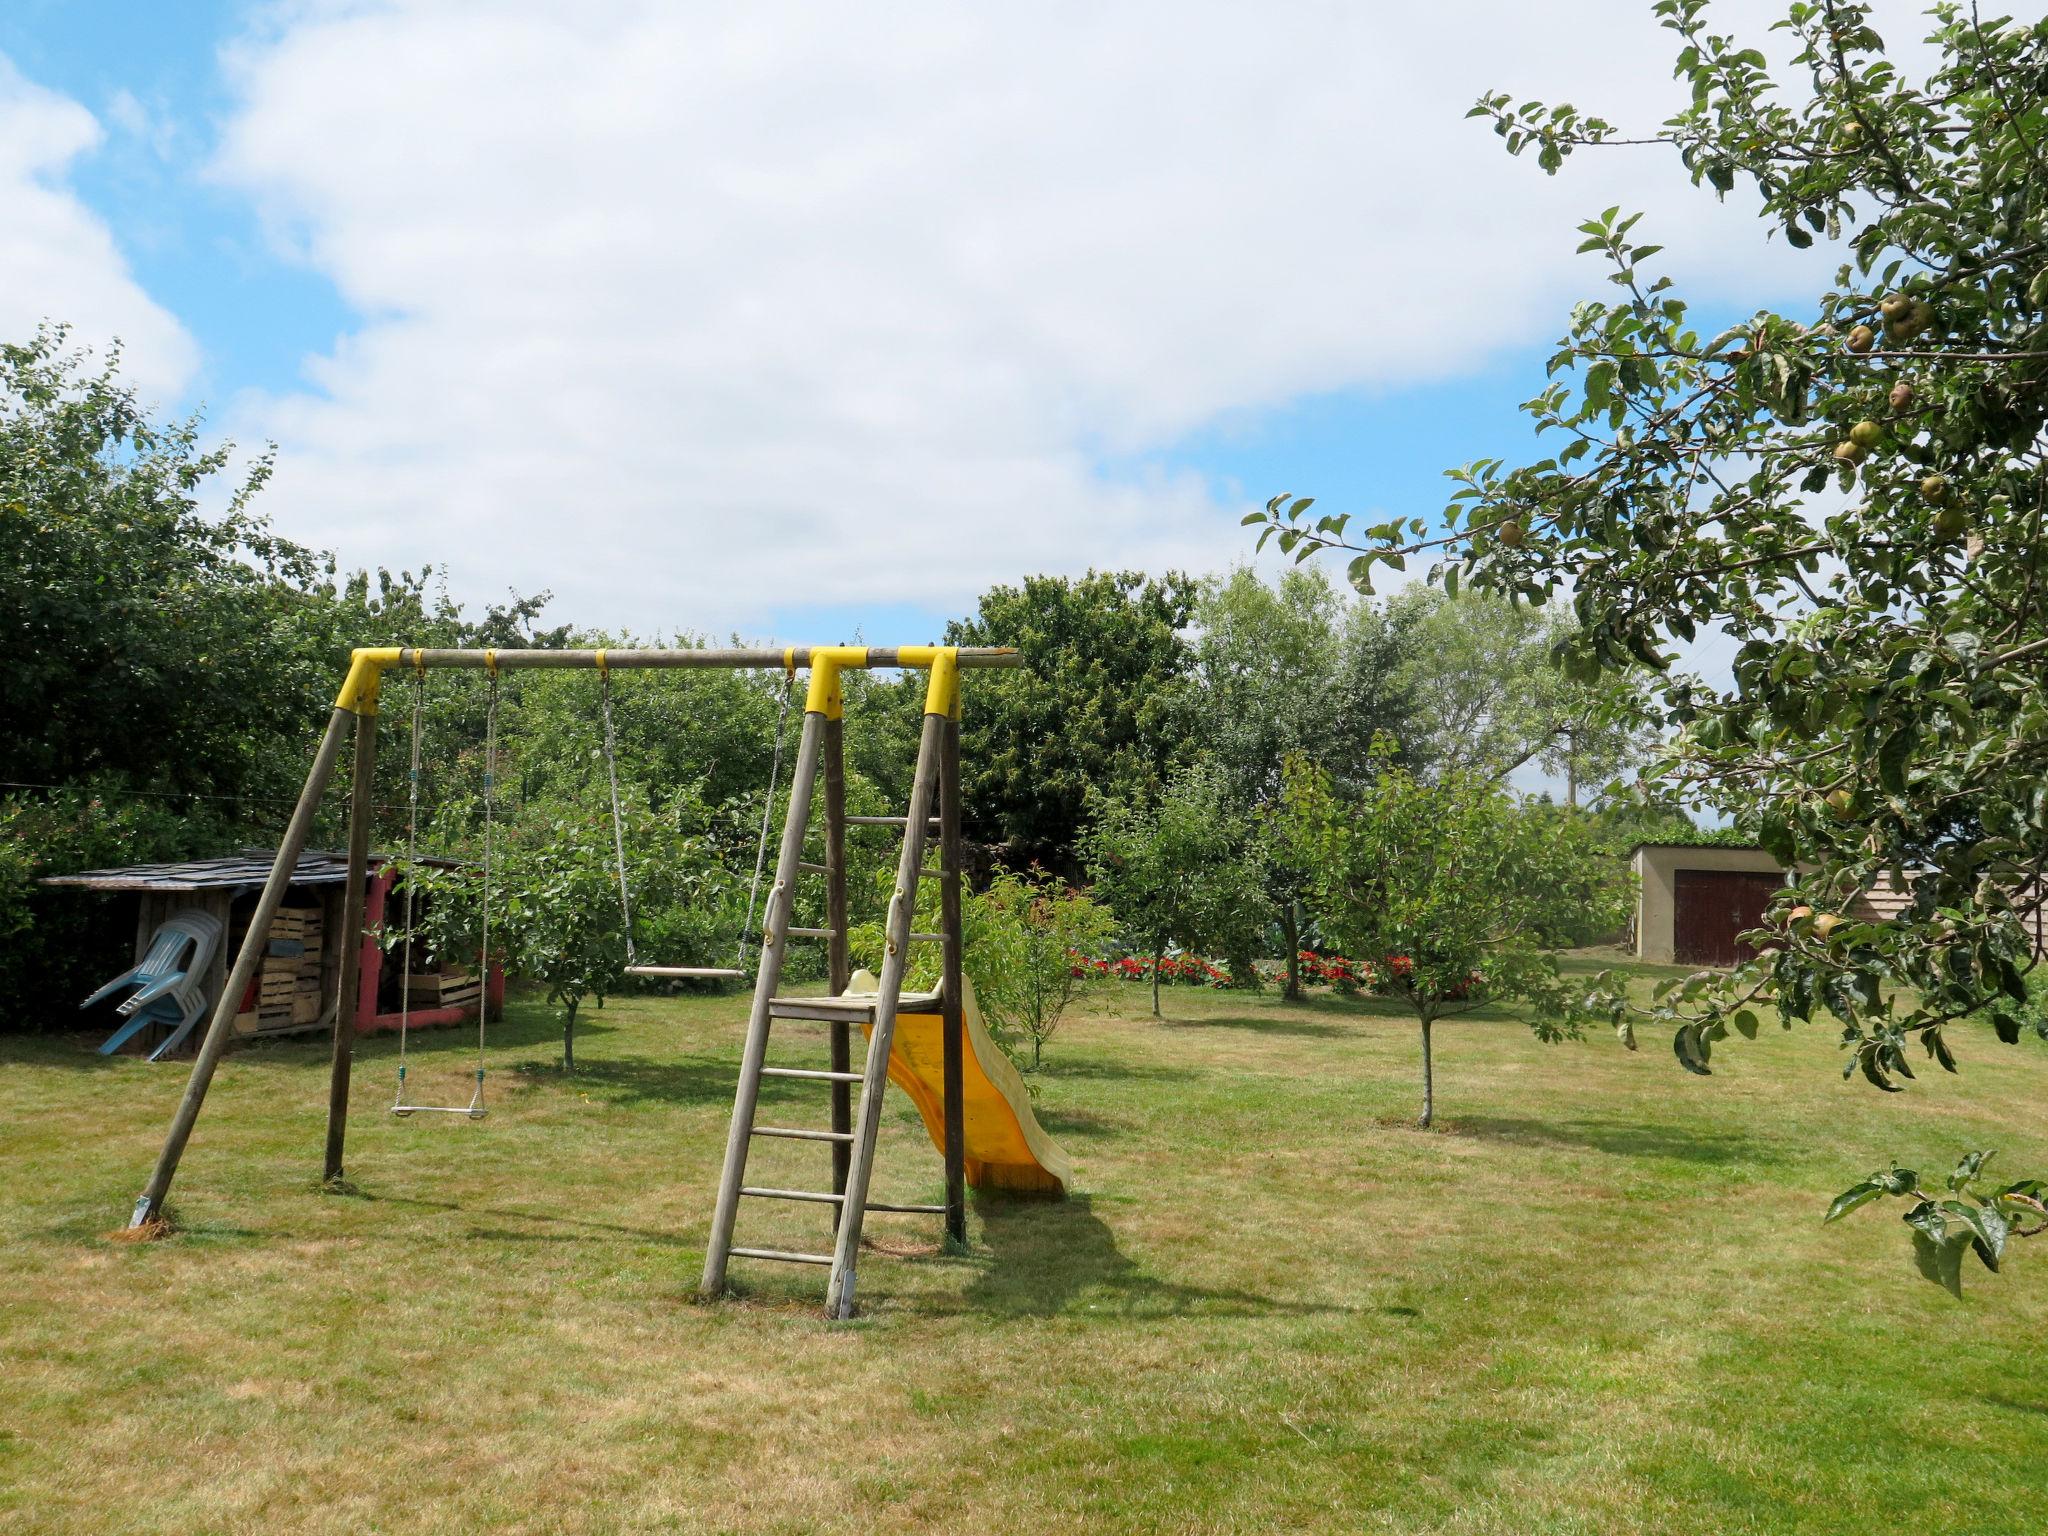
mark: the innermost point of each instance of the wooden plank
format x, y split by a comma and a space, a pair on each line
838, 955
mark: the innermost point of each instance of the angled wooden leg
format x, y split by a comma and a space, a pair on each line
149, 1207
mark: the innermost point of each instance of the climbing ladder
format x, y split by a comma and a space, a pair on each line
854, 1128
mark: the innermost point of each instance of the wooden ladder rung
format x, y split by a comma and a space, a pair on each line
884, 821
762, 1192
795, 1134
927, 938
805, 867
810, 1075
781, 1255
819, 1197
812, 933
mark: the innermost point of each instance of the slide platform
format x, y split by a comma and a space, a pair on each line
1006, 1146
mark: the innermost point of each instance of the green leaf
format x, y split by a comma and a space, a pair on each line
1853, 1198
1941, 1259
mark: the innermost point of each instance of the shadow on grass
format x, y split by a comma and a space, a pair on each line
1077, 1122
1715, 1148
1269, 1024
544, 1218
1112, 1071
1050, 1258
628, 1080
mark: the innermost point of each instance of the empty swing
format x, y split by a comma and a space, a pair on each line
611, 771
474, 1109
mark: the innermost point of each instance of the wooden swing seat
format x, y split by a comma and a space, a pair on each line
687, 972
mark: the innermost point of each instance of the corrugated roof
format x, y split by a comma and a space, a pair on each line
250, 868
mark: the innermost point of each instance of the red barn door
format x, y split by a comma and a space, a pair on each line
1712, 907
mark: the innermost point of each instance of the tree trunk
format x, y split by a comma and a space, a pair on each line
1158, 956
1428, 1080
1290, 926
569, 1039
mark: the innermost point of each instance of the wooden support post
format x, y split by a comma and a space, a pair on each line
896, 929
767, 977
954, 989
361, 810
150, 1206
839, 962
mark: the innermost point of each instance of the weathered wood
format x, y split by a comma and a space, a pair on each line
780, 1255
854, 1010
688, 660
838, 955
768, 976
814, 1196
839, 1295
793, 1133
341, 1058
149, 1207
952, 988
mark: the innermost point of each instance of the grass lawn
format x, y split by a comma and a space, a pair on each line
1597, 1299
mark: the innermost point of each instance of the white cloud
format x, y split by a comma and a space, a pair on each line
697, 312
58, 261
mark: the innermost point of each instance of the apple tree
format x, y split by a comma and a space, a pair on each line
1853, 493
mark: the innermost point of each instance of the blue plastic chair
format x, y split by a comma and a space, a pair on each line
169, 982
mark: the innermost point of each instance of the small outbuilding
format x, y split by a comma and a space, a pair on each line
298, 987
1695, 899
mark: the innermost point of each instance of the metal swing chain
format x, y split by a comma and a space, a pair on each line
412, 829
767, 810
611, 773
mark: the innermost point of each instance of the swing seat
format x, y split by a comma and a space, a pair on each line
687, 972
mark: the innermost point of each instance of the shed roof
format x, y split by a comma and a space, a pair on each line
250, 867
1707, 837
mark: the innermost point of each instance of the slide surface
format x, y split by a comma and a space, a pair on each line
1006, 1146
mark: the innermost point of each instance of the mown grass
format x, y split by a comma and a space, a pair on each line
1597, 1299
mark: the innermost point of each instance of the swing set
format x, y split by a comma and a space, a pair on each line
475, 1109
945, 1061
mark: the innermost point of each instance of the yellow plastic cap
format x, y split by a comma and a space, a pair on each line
366, 666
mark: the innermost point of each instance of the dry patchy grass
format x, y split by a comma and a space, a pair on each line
1599, 1300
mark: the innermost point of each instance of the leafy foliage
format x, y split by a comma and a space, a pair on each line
1450, 890
1284, 671
1488, 695
554, 911
1028, 928
1185, 867
1956, 1221
1853, 494
1088, 713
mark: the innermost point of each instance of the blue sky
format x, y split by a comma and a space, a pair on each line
549, 296
196, 247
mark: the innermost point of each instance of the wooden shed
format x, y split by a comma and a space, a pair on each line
299, 987
1694, 900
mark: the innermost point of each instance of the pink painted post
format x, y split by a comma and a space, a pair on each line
370, 957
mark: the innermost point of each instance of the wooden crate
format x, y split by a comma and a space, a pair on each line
443, 989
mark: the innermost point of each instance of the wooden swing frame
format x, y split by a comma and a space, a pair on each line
355, 713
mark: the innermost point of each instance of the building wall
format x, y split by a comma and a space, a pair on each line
1656, 900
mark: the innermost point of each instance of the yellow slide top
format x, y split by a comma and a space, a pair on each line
1006, 1146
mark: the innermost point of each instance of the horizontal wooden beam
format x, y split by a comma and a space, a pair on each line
684, 659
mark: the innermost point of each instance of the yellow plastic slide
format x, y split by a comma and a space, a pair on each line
1006, 1146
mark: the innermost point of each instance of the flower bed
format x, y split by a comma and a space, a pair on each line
1174, 970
